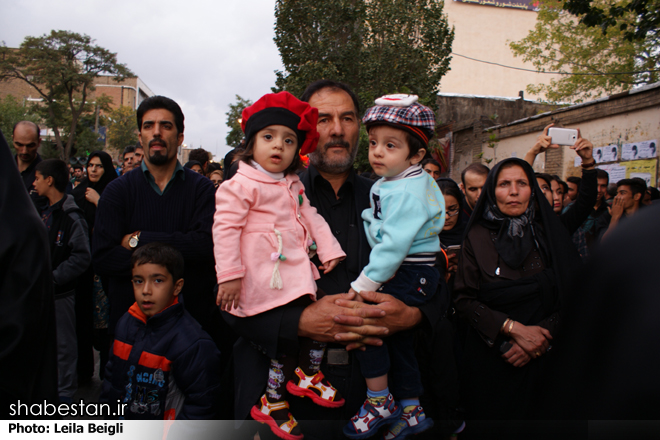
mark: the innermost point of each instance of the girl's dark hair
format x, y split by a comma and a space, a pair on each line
546, 177
450, 188
248, 154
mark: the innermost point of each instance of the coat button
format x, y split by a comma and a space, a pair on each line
422, 281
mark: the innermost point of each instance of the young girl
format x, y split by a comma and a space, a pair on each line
264, 230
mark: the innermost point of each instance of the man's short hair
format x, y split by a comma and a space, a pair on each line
575, 181
77, 166
637, 186
476, 168
200, 155
128, 149
162, 255
611, 189
36, 127
602, 174
158, 102
431, 161
57, 169
332, 85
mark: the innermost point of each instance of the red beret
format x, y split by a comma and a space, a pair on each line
283, 109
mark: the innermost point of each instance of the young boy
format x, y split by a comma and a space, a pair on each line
162, 365
402, 226
70, 257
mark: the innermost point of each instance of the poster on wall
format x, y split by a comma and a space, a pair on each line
645, 169
639, 150
606, 154
615, 171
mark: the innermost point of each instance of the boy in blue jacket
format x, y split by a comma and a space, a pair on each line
162, 365
402, 225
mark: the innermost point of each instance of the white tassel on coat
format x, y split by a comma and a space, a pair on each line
276, 278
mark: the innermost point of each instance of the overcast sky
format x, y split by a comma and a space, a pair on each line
201, 53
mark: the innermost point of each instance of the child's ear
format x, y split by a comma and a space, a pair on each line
50, 180
417, 158
178, 286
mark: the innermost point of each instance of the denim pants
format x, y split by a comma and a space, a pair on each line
415, 285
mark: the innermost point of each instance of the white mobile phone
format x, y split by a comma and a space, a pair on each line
456, 247
563, 136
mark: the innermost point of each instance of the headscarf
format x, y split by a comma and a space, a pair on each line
456, 234
28, 348
537, 226
109, 174
192, 163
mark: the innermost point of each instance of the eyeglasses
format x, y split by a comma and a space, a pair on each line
452, 212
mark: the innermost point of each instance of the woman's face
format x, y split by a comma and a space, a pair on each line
452, 210
557, 196
216, 178
512, 191
95, 169
547, 191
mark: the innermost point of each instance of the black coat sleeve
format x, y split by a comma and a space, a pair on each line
578, 212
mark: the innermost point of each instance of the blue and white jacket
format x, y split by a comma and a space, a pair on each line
406, 215
163, 367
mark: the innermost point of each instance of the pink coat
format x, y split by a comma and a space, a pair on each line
248, 210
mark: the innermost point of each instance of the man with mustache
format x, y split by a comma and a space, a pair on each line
163, 202
340, 195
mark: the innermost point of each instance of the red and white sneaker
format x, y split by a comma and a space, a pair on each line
315, 387
262, 414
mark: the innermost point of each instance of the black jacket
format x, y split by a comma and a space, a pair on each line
69, 245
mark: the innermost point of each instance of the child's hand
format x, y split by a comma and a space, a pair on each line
357, 295
228, 294
329, 265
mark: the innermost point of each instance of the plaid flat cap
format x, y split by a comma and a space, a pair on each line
404, 112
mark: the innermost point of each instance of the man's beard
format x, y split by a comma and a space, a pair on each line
157, 158
333, 165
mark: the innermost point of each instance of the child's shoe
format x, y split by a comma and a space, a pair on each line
285, 428
380, 411
411, 422
315, 387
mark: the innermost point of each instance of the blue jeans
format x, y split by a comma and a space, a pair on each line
415, 285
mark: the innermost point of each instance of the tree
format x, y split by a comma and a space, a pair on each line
62, 68
122, 127
596, 61
609, 14
377, 48
235, 135
11, 112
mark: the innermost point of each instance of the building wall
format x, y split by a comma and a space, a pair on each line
484, 32
619, 119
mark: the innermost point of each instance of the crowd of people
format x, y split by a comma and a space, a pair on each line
405, 304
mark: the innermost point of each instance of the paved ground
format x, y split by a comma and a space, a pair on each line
91, 391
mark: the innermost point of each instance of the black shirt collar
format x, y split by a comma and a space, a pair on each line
314, 175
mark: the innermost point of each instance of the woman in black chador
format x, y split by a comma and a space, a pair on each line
91, 302
515, 265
